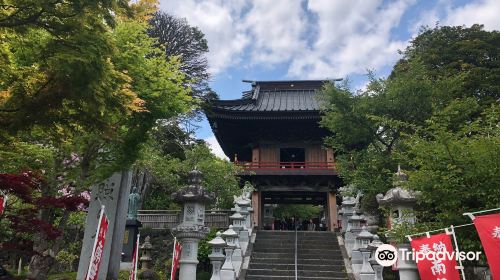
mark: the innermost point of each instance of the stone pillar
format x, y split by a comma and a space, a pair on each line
130, 239
227, 271
113, 193
192, 229
216, 257
332, 211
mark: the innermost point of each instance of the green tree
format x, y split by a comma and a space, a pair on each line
437, 115
169, 174
189, 44
78, 96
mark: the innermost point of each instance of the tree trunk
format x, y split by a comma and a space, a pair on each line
44, 258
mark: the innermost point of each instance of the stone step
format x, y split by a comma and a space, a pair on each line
291, 266
302, 273
291, 260
271, 255
299, 250
318, 256
292, 240
267, 277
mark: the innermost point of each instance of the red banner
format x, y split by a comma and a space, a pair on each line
133, 270
3, 201
488, 228
95, 259
436, 259
176, 256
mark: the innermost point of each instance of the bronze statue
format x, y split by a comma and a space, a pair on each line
133, 204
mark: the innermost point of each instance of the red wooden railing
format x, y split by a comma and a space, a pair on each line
286, 165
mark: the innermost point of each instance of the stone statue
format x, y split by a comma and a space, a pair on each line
133, 204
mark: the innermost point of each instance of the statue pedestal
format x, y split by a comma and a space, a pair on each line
130, 239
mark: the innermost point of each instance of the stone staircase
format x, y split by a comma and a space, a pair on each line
319, 256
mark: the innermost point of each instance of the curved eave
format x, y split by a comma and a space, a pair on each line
263, 115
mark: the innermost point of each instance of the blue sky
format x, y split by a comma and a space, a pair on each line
314, 39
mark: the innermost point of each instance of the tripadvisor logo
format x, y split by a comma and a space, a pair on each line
387, 255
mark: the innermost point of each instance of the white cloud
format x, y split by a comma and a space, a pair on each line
318, 38
353, 36
276, 28
484, 12
215, 147
219, 22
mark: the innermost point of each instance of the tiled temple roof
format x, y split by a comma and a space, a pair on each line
276, 96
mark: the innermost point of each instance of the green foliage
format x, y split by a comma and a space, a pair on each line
301, 211
170, 174
63, 276
437, 116
204, 248
81, 84
66, 259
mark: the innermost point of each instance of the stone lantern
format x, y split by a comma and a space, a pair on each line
347, 209
146, 248
227, 271
238, 224
358, 257
373, 246
353, 229
401, 201
216, 257
192, 229
245, 210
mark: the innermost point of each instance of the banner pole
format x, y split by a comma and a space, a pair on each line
471, 214
436, 230
173, 258
461, 267
136, 255
95, 241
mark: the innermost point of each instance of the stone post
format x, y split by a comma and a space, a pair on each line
192, 229
146, 259
113, 193
216, 257
227, 271
373, 246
